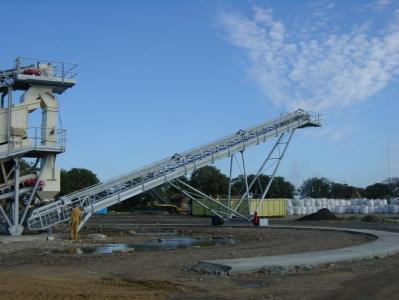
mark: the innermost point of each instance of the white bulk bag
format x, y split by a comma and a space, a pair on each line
290, 211
297, 210
355, 209
364, 209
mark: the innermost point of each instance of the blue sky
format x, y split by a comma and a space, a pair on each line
158, 77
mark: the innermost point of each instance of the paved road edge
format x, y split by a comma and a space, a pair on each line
385, 244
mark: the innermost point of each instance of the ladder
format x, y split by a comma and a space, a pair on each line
138, 181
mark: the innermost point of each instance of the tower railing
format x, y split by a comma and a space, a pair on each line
61, 69
36, 138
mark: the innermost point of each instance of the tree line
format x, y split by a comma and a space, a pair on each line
213, 182
323, 188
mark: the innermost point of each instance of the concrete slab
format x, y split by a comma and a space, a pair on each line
386, 243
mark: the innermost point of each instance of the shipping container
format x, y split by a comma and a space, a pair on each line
273, 207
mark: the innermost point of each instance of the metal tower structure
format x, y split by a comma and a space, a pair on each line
170, 169
23, 185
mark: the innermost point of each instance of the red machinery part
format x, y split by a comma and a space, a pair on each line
32, 71
32, 182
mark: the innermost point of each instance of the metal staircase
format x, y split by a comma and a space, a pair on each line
136, 182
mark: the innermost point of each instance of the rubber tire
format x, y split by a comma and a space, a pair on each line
217, 221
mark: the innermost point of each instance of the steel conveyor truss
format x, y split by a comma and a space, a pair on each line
168, 170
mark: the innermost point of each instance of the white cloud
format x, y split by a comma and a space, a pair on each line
380, 4
329, 71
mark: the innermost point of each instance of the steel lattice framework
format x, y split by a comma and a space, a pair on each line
39, 81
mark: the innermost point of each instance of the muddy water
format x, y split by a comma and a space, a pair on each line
150, 245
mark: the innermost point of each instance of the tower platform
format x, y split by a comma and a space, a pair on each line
27, 72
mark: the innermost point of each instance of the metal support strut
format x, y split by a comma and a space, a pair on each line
272, 161
224, 210
279, 158
16, 228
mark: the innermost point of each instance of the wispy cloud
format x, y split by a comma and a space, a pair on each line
381, 4
324, 71
335, 134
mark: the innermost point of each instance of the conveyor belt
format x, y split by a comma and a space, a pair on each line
136, 182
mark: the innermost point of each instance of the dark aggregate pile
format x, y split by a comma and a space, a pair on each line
322, 214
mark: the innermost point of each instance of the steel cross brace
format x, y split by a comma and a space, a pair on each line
16, 228
244, 177
34, 190
267, 163
279, 159
198, 193
197, 201
16, 223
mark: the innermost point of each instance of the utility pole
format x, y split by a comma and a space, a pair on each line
389, 160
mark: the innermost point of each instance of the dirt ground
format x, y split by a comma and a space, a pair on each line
46, 270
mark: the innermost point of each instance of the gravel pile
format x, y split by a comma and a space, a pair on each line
322, 214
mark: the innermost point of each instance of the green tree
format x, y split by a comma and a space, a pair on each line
343, 191
281, 188
210, 181
76, 179
159, 194
134, 202
393, 184
25, 167
278, 189
378, 190
237, 186
316, 188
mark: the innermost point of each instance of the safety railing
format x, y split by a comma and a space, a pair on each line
47, 137
35, 138
5, 79
63, 70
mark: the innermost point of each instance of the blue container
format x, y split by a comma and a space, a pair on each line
103, 211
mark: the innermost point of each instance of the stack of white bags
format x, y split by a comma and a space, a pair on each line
341, 206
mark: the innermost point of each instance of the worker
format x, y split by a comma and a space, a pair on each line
76, 218
255, 219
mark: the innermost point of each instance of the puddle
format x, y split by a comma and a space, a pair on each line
151, 245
